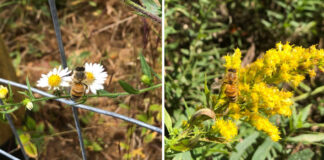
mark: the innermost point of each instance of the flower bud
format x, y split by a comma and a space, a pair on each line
146, 79
3, 92
29, 105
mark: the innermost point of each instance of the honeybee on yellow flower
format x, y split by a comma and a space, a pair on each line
230, 84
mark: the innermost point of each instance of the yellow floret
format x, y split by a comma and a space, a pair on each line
263, 124
227, 128
3, 92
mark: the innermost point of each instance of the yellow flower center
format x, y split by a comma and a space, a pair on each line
54, 80
90, 77
3, 92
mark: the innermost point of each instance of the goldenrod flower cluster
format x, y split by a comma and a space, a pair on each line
258, 96
226, 128
285, 63
234, 61
263, 124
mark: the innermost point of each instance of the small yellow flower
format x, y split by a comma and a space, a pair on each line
234, 61
3, 92
236, 116
263, 124
227, 128
312, 73
234, 107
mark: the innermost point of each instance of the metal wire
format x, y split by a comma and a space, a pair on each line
64, 64
14, 131
86, 107
57, 31
8, 155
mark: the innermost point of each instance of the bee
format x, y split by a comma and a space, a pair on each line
78, 85
230, 83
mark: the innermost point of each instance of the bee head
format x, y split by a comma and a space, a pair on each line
79, 69
232, 70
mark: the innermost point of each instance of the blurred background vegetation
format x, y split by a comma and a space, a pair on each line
198, 34
101, 31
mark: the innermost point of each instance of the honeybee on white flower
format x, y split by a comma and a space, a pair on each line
91, 77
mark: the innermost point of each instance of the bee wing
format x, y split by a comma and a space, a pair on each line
217, 84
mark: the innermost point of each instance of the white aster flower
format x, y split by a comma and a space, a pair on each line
96, 77
55, 79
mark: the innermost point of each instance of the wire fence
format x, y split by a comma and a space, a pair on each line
74, 105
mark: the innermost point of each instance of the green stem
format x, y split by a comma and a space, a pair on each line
93, 95
143, 11
306, 95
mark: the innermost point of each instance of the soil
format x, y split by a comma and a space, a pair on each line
114, 36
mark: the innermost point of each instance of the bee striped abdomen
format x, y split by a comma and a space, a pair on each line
77, 91
231, 92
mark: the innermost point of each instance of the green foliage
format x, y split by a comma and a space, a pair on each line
302, 155
127, 87
198, 34
93, 145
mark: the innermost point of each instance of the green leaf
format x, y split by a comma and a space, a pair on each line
305, 154
40, 127
145, 67
29, 89
305, 112
10, 92
149, 138
23, 93
151, 6
123, 105
142, 117
31, 150
263, 150
31, 123
308, 138
29, 147
128, 88
96, 147
167, 121
107, 94
241, 147
183, 156
84, 54
302, 116
155, 108
93, 4
207, 92
202, 115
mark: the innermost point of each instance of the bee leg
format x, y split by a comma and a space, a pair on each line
86, 87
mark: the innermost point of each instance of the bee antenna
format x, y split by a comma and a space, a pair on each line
79, 69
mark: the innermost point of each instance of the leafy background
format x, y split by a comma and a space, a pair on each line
102, 31
198, 34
